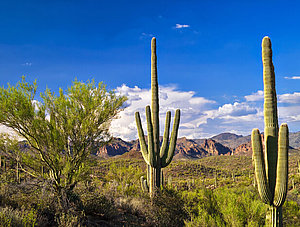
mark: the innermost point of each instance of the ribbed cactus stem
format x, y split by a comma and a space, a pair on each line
282, 166
270, 113
155, 111
155, 98
155, 156
271, 166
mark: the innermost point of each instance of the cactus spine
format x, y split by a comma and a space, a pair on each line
271, 167
155, 156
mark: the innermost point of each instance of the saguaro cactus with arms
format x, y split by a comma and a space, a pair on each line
271, 166
156, 156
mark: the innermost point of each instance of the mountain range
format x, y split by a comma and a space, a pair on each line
221, 144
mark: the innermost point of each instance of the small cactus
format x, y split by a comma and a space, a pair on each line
155, 156
144, 184
271, 166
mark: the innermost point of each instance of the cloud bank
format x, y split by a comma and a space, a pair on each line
202, 117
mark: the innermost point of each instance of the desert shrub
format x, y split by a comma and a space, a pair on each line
96, 204
203, 208
68, 220
166, 209
123, 180
241, 207
291, 213
15, 217
132, 205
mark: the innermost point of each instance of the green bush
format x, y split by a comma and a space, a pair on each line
123, 180
68, 220
291, 213
166, 209
203, 208
15, 217
241, 207
97, 204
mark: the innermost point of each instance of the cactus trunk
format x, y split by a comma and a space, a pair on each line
271, 166
155, 156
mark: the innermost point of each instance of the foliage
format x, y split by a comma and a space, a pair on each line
123, 179
60, 130
241, 207
167, 209
96, 204
14, 217
203, 208
291, 212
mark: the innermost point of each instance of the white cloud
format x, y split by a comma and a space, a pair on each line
292, 77
200, 117
289, 98
179, 26
235, 110
191, 107
257, 96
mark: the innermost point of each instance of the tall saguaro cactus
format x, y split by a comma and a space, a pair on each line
271, 167
156, 156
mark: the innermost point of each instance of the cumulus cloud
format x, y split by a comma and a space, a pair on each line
236, 110
191, 106
200, 117
257, 96
179, 26
289, 98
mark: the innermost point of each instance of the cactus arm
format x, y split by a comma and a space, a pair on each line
282, 166
260, 171
173, 139
151, 155
165, 143
141, 135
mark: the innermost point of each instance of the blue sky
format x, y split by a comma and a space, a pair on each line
210, 49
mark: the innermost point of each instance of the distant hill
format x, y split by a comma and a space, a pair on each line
230, 140
185, 148
294, 139
221, 144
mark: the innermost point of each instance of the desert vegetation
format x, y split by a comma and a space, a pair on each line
52, 177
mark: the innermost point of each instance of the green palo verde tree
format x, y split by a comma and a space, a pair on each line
60, 129
156, 156
271, 166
